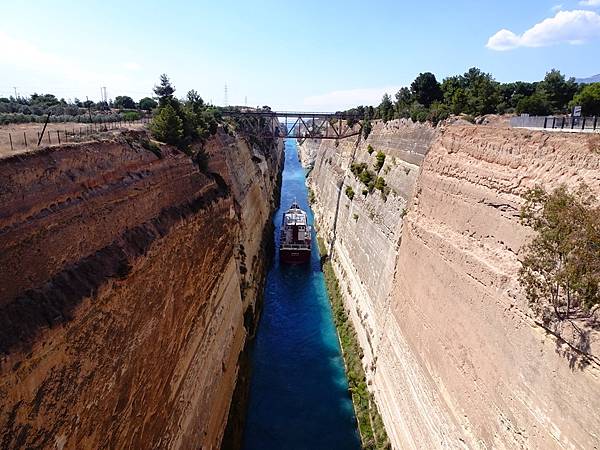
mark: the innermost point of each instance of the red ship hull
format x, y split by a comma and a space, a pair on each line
294, 256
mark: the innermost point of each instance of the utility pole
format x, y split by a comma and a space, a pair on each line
246, 100
15, 88
225, 99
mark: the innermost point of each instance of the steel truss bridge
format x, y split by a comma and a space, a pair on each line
297, 125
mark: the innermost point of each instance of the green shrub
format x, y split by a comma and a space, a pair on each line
131, 116
355, 216
380, 161
366, 177
380, 184
166, 126
349, 192
357, 168
370, 149
367, 128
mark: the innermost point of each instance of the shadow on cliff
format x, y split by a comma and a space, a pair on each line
55, 302
574, 339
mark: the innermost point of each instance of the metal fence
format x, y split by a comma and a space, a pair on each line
581, 124
58, 133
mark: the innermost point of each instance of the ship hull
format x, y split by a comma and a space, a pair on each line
295, 256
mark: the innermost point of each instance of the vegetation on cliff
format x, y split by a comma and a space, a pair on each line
561, 267
370, 424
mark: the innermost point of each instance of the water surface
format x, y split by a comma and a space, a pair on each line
298, 391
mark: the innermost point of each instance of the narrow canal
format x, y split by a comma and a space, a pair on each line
298, 391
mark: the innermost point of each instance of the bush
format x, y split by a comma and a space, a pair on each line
366, 178
349, 192
437, 113
370, 149
380, 161
167, 126
380, 184
536, 105
357, 168
418, 113
588, 99
367, 128
131, 116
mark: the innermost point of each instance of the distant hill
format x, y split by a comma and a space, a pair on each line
592, 79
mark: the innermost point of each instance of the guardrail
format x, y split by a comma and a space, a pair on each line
581, 124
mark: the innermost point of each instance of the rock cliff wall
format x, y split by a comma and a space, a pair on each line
452, 352
126, 279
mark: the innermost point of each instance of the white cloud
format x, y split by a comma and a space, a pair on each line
573, 27
556, 8
344, 99
589, 2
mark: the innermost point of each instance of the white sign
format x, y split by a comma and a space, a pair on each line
577, 111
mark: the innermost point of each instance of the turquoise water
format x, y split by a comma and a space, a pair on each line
298, 391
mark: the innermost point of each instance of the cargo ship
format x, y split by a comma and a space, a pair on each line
295, 242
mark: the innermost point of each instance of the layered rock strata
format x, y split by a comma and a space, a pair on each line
126, 274
453, 353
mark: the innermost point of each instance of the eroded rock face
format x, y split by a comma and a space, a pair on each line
453, 353
124, 282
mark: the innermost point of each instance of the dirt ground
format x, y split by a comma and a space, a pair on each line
71, 131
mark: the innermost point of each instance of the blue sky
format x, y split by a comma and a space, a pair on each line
308, 55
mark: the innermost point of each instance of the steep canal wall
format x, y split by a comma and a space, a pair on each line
128, 285
427, 268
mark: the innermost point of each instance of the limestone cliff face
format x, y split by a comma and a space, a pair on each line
453, 354
124, 279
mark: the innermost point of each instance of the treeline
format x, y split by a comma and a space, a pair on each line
476, 93
37, 106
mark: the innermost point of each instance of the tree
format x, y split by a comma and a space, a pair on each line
588, 99
124, 102
454, 93
167, 126
557, 90
147, 104
482, 93
386, 108
561, 266
195, 101
425, 89
536, 104
164, 91
403, 101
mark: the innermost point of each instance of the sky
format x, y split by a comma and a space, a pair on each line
306, 55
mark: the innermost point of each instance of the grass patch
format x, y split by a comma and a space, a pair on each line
370, 424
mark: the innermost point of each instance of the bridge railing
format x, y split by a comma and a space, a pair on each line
581, 124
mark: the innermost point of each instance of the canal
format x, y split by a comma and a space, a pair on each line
298, 390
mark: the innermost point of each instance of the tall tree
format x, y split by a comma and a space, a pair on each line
557, 90
386, 108
426, 89
147, 104
164, 91
124, 102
